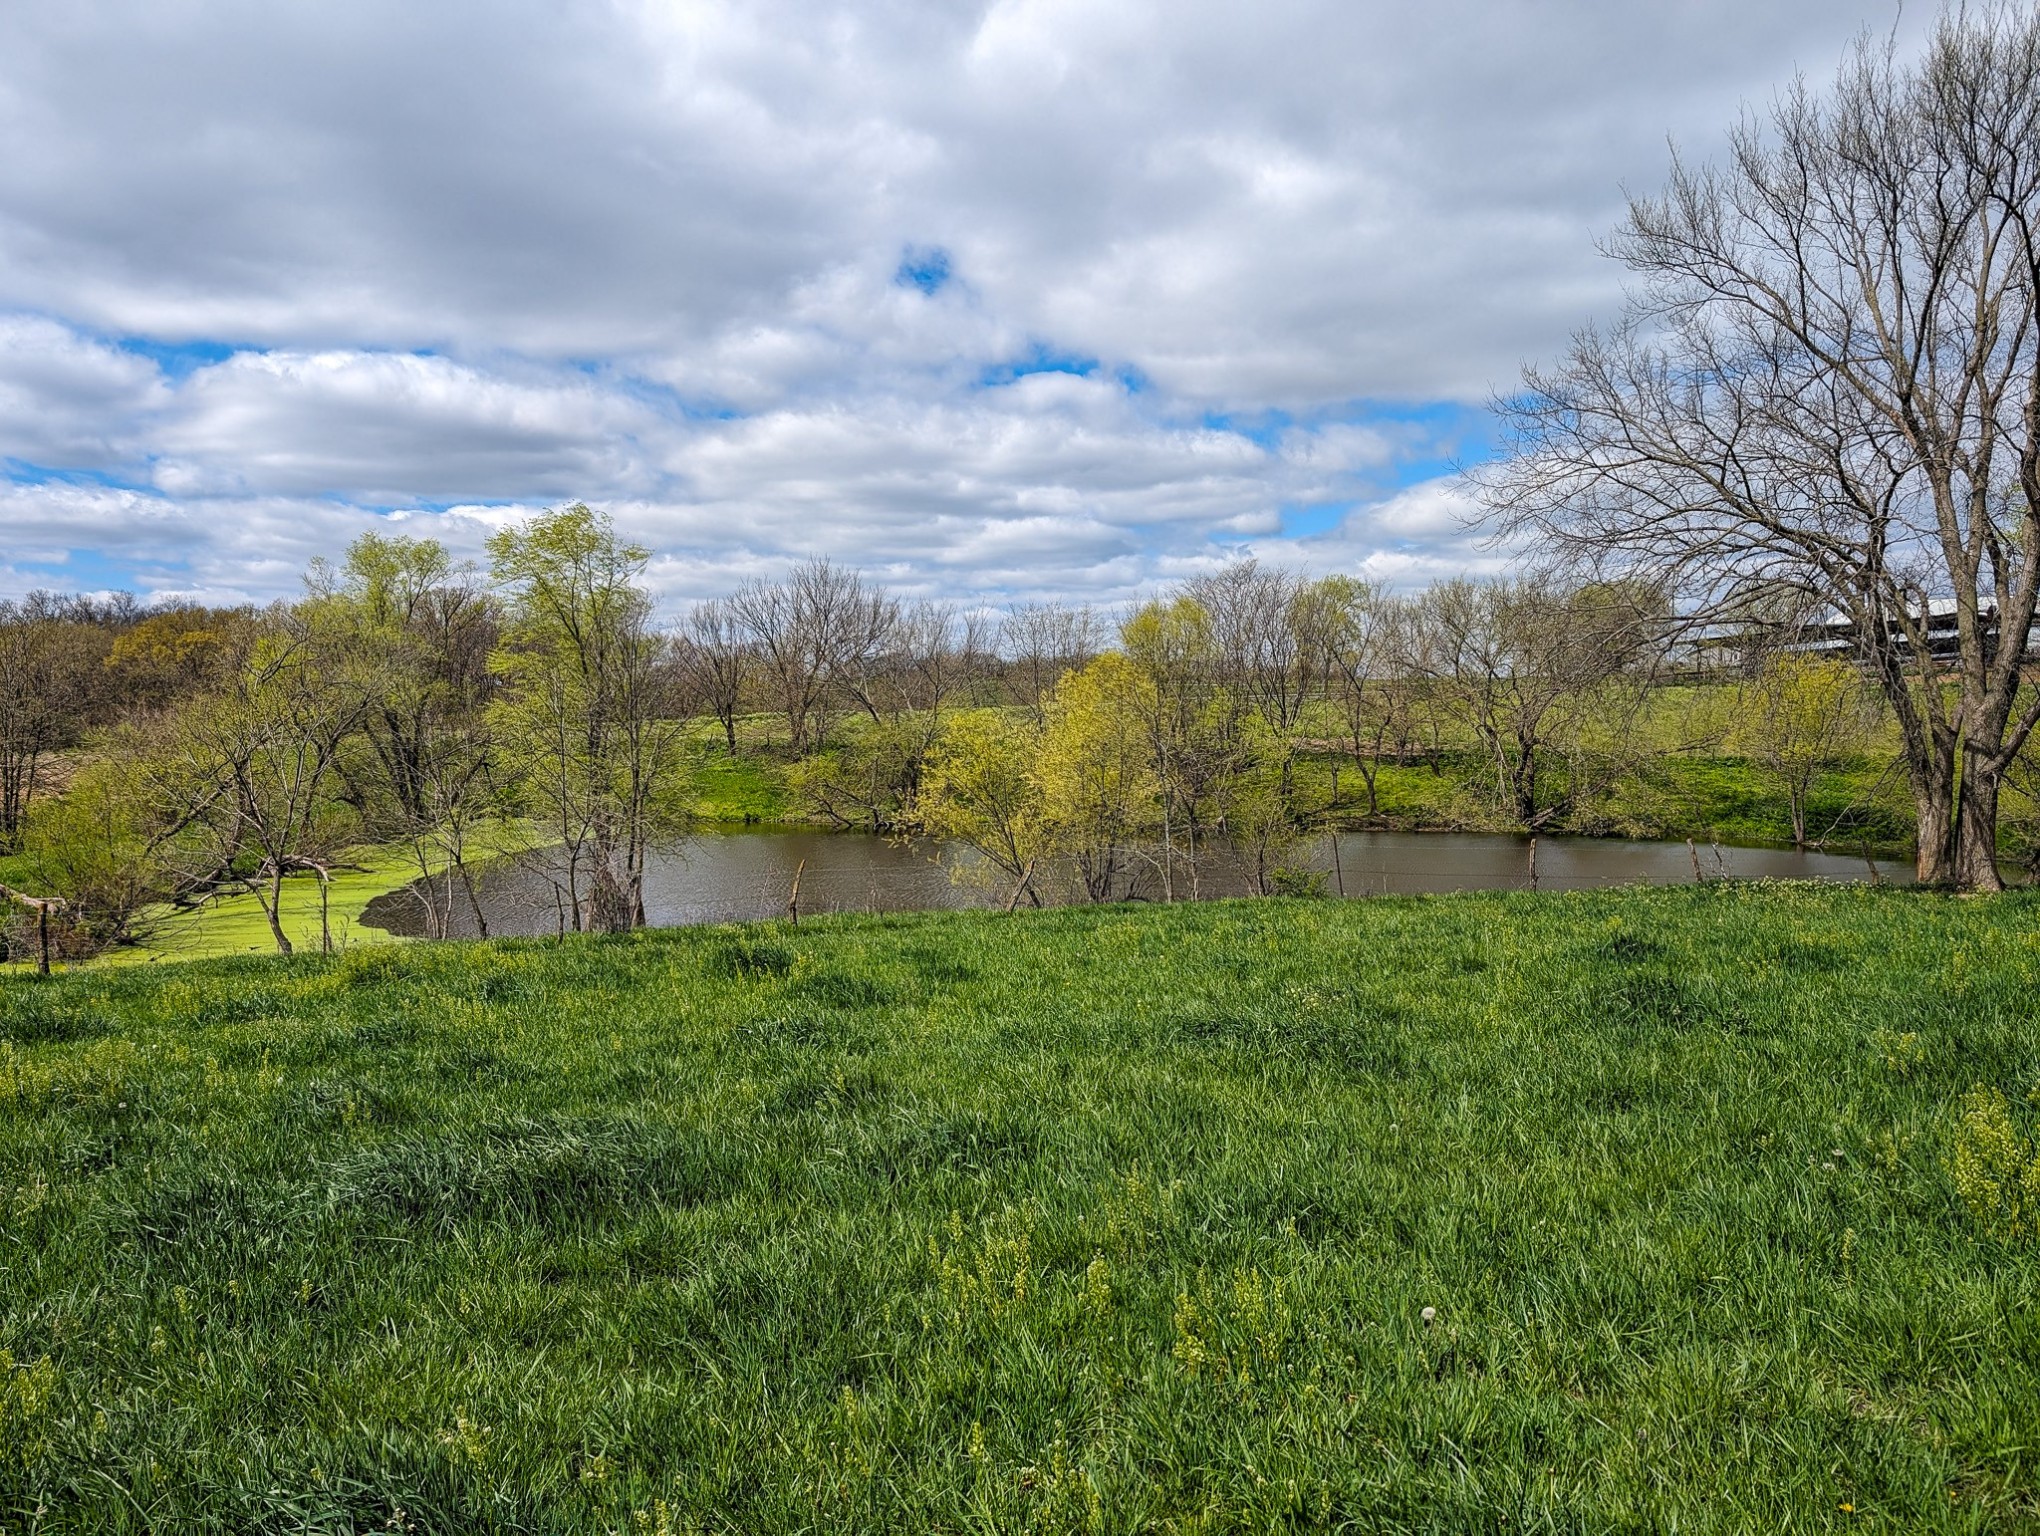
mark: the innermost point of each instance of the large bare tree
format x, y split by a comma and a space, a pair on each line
816, 634
1829, 378
1261, 643
1045, 640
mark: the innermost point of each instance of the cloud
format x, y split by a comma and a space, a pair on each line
1017, 295
390, 427
1424, 533
68, 400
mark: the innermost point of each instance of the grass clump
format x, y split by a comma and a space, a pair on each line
1618, 1210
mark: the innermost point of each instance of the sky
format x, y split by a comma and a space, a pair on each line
994, 301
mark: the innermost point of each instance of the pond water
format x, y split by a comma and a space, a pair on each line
740, 876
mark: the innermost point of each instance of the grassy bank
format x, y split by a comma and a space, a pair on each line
233, 923
1116, 1219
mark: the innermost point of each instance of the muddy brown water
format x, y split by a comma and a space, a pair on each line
740, 876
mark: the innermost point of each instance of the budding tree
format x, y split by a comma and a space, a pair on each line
593, 714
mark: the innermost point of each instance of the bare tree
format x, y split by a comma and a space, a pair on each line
1258, 644
977, 652
720, 660
1829, 377
1045, 640
51, 678
1531, 667
1361, 631
863, 641
820, 629
942, 653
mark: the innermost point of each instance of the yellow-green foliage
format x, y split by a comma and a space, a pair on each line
978, 787
96, 1075
1901, 1050
1801, 716
1138, 1208
986, 1274
25, 1393
1996, 1168
1094, 767
1237, 1332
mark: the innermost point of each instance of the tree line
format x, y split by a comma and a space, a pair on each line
538, 708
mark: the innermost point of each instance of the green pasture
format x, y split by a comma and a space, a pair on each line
1615, 1211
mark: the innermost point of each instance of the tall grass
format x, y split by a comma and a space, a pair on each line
1114, 1220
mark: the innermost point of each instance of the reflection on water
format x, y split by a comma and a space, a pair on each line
739, 876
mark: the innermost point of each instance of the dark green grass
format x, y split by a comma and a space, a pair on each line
1093, 1219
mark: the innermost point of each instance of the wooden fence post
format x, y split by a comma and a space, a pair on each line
42, 905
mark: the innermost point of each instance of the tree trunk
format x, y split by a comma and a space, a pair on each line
1524, 775
1975, 854
467, 882
1933, 801
609, 905
273, 910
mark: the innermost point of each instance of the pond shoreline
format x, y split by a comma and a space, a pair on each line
746, 874
229, 922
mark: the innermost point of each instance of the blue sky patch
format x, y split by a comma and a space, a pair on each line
925, 267
1039, 358
22, 472
87, 570
1301, 521
1263, 427
180, 359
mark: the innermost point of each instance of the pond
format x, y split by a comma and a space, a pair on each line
740, 876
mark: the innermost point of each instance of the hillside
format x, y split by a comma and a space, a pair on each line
1102, 1219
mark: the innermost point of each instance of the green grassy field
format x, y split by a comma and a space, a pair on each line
1089, 1220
